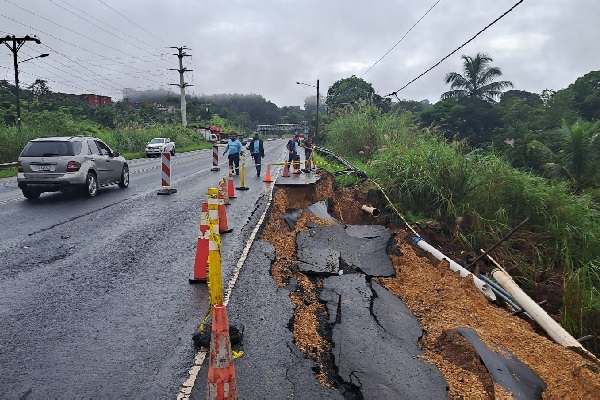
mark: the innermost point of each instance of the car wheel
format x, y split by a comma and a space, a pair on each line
173, 151
91, 185
124, 182
30, 194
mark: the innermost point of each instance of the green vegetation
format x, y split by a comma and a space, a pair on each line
479, 197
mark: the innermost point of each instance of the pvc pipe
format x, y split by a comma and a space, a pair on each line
482, 286
371, 210
552, 328
494, 285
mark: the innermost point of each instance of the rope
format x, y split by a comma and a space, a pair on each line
395, 209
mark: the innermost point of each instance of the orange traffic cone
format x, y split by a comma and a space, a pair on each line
268, 174
223, 228
286, 170
230, 187
221, 371
201, 261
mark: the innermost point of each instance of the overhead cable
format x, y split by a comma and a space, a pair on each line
398, 42
395, 93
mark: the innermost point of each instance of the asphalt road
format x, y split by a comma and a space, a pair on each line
94, 293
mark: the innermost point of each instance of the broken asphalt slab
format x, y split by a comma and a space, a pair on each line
361, 247
375, 342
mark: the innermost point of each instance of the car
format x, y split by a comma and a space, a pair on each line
224, 140
65, 163
160, 145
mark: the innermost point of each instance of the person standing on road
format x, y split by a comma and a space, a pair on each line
234, 148
257, 151
292, 148
309, 146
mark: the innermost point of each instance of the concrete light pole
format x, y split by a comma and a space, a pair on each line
14, 46
182, 85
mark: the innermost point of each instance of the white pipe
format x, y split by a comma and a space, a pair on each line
371, 210
481, 285
552, 328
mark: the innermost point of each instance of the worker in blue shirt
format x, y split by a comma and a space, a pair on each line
257, 151
234, 148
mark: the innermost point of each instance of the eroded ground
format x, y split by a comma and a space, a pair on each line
439, 299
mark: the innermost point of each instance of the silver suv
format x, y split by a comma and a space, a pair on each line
75, 162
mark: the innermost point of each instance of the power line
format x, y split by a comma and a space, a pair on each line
158, 37
71, 30
99, 27
395, 93
401, 39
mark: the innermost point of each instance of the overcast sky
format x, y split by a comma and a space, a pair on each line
264, 46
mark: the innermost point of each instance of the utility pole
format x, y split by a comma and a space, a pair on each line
182, 85
14, 46
318, 95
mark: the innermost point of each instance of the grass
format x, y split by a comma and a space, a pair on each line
480, 198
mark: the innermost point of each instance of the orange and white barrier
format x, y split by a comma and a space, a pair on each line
166, 175
215, 158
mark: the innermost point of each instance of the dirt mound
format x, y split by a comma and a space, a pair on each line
439, 299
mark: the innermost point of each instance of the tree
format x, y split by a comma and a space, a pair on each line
39, 87
579, 156
478, 80
348, 91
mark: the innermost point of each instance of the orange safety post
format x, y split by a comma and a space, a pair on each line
221, 371
223, 191
286, 170
201, 261
268, 174
230, 187
223, 228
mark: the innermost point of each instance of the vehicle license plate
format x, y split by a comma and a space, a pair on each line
43, 168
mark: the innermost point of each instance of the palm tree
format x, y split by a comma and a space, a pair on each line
579, 156
477, 81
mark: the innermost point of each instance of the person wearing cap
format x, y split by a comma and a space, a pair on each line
257, 151
234, 148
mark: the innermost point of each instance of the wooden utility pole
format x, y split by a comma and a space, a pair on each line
182, 85
14, 46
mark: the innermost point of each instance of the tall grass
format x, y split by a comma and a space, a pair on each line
128, 138
480, 197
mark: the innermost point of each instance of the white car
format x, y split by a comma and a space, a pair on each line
160, 145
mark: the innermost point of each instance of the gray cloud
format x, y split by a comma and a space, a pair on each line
263, 47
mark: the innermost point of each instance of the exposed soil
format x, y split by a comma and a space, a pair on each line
438, 298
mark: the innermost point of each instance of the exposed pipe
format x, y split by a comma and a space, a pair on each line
371, 210
552, 328
504, 295
482, 286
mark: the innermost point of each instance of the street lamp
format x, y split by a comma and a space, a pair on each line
306, 84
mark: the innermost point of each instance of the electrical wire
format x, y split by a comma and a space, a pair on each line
395, 93
158, 37
401, 39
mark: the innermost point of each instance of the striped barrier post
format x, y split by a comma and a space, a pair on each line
215, 157
166, 175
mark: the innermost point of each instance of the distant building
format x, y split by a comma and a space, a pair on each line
93, 100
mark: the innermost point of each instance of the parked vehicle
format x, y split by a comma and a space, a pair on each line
160, 145
69, 163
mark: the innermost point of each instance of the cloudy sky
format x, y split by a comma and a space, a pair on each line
265, 46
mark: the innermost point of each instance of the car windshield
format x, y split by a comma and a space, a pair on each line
155, 141
51, 149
